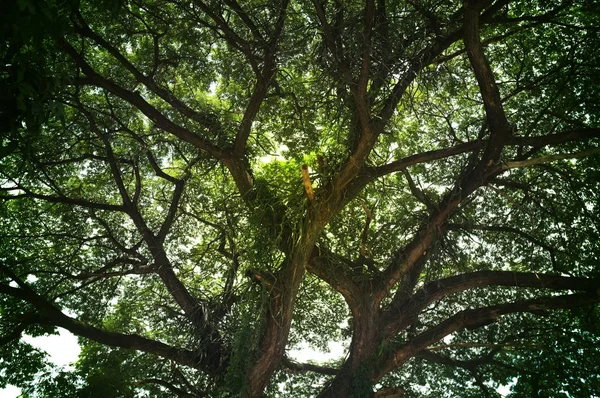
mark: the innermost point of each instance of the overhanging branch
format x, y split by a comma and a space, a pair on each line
476, 318
402, 314
550, 158
549, 140
207, 120
93, 78
496, 118
50, 314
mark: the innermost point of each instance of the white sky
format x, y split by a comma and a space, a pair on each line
306, 354
62, 349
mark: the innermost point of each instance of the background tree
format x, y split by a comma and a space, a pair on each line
196, 187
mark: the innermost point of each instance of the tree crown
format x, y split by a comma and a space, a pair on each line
197, 188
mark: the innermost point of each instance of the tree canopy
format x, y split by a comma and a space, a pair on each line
196, 188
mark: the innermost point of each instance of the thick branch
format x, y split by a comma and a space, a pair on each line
402, 314
405, 264
65, 200
550, 158
192, 308
114, 168
496, 118
405, 260
175, 199
337, 271
137, 101
469, 365
416, 191
416, 64
52, 315
477, 317
278, 324
246, 19
556, 139
500, 228
279, 314
208, 121
537, 142
229, 35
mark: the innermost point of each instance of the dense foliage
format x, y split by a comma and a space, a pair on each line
196, 188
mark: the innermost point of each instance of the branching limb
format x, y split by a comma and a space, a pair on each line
465, 364
207, 120
224, 29
264, 77
278, 320
337, 271
546, 17
434, 21
132, 251
417, 192
424, 157
16, 332
363, 79
264, 68
64, 200
499, 228
416, 64
402, 314
405, 288
538, 142
50, 314
405, 260
114, 167
445, 58
477, 318
331, 41
24, 192
93, 78
550, 158
173, 207
235, 6
138, 269
163, 267
496, 117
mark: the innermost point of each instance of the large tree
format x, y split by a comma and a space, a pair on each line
194, 188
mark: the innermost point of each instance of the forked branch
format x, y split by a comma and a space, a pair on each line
476, 318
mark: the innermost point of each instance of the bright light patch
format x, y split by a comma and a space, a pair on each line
306, 354
63, 348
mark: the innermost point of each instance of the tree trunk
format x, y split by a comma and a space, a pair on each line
355, 376
279, 314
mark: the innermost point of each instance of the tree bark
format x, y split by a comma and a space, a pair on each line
354, 378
